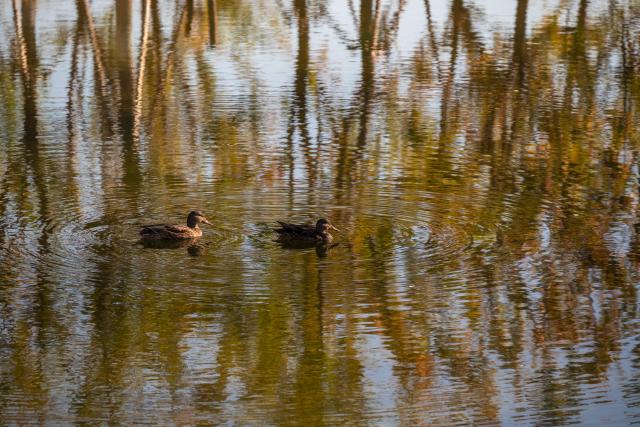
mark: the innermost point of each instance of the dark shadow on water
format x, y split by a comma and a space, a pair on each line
194, 246
322, 249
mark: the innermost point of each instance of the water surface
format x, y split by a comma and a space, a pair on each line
481, 159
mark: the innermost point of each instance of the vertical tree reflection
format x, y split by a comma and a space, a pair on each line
126, 91
485, 175
212, 15
298, 110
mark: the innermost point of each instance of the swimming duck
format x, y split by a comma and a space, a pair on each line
306, 232
175, 232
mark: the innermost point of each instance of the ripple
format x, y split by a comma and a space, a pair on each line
61, 245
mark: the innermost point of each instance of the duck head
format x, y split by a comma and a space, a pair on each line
323, 226
195, 218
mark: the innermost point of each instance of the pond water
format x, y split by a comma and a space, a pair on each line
480, 158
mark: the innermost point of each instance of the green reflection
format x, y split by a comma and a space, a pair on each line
482, 164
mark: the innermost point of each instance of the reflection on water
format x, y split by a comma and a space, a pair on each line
194, 246
480, 158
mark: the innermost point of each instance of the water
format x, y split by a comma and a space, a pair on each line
480, 159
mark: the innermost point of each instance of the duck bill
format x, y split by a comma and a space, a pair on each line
333, 228
206, 222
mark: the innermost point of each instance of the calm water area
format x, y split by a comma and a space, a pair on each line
480, 158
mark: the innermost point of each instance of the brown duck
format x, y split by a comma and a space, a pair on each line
306, 232
175, 232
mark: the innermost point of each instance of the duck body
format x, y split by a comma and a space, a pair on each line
175, 232
305, 232
169, 232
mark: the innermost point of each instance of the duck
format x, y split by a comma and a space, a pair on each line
305, 232
175, 232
